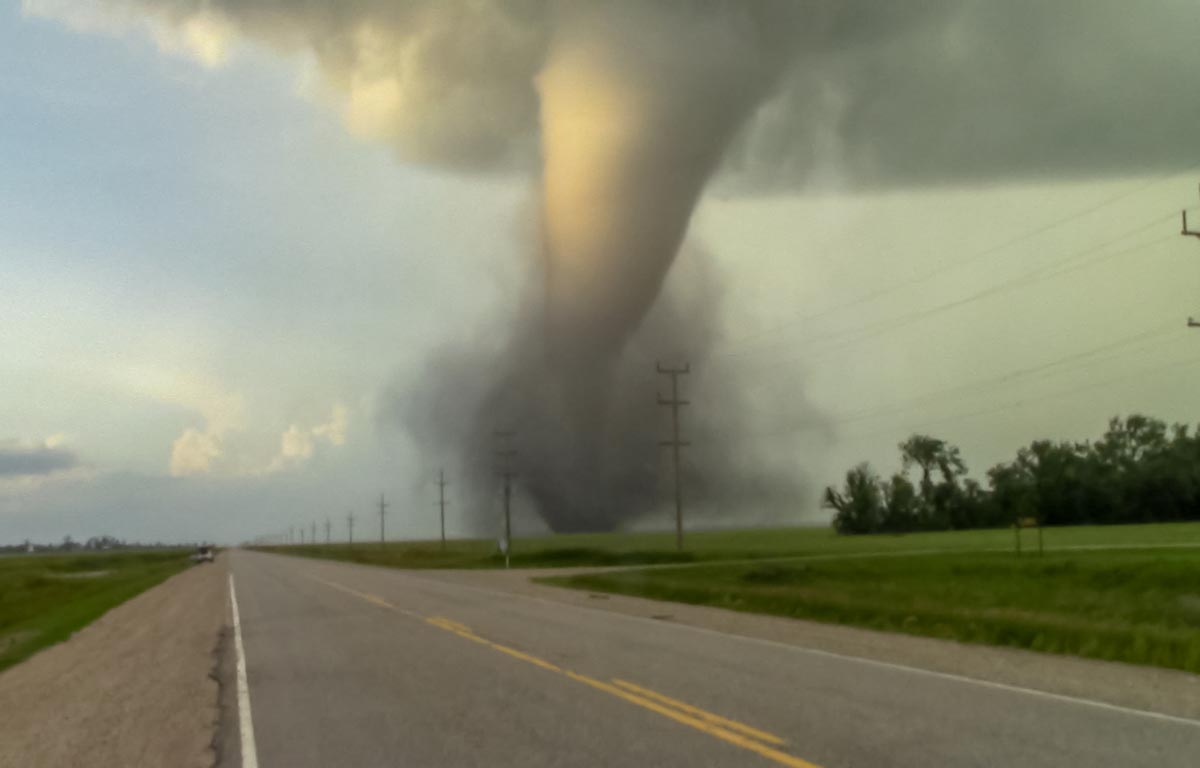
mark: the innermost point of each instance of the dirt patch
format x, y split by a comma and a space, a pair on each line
135, 687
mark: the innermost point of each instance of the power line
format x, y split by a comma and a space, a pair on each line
976, 257
916, 316
1005, 287
980, 385
1046, 396
675, 443
505, 456
382, 512
1055, 269
442, 504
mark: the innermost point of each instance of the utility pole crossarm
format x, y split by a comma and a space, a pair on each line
1189, 232
1186, 232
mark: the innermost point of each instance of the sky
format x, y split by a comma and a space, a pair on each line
215, 270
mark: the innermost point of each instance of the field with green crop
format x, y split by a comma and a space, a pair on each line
602, 549
1135, 605
45, 598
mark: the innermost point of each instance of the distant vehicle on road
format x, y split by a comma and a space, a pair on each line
203, 554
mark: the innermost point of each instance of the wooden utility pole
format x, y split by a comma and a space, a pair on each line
505, 456
312, 539
350, 527
675, 443
328, 527
382, 511
1188, 232
442, 503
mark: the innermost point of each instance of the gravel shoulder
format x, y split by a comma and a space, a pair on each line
134, 688
1152, 689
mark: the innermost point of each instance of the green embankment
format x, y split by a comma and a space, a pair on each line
1134, 605
45, 598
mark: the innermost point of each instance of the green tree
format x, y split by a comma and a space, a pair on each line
937, 499
859, 505
901, 505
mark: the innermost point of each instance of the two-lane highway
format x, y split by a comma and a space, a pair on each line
357, 666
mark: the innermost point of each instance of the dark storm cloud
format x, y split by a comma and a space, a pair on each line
877, 93
26, 462
979, 91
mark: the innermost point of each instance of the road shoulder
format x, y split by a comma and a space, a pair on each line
135, 687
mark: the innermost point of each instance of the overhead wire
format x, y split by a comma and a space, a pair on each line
1072, 363
958, 264
1046, 271
1020, 402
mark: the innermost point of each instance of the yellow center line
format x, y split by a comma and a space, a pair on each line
724, 722
737, 739
730, 731
526, 657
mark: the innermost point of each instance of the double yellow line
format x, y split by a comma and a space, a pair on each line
730, 731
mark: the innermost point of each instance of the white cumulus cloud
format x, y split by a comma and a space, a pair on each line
194, 452
298, 444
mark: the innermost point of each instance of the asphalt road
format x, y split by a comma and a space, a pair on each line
356, 666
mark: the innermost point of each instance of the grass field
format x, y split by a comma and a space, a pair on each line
1135, 605
600, 549
44, 598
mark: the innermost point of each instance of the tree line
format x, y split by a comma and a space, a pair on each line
93, 544
1140, 471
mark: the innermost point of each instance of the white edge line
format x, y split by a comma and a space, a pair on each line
245, 721
828, 654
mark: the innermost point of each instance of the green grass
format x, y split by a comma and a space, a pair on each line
45, 598
600, 549
1137, 606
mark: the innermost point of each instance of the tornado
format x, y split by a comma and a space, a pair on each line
634, 121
